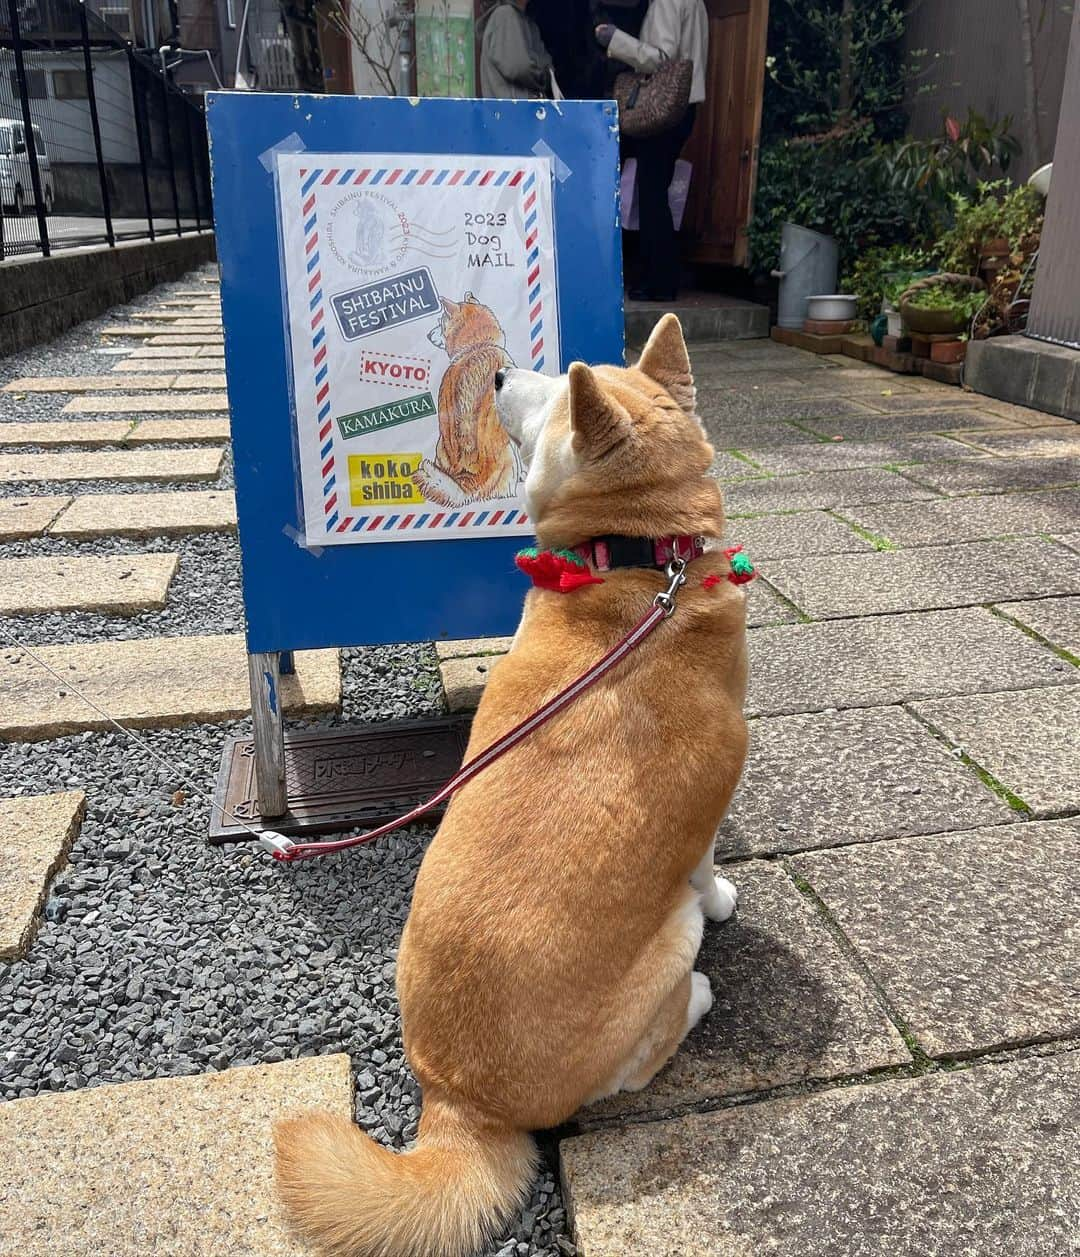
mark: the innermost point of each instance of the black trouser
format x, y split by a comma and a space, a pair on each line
656, 157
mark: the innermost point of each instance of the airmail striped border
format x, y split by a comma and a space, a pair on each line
386, 176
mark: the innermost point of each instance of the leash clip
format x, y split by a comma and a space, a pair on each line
280, 847
675, 572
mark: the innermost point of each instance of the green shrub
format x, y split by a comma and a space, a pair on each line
879, 274
819, 184
996, 211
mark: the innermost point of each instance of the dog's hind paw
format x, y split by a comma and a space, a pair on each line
718, 903
436, 485
701, 999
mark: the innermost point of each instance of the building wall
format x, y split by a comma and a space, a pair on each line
1055, 307
976, 58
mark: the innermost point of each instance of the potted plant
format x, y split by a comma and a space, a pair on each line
990, 228
943, 304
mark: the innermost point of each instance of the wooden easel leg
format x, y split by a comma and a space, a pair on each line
263, 676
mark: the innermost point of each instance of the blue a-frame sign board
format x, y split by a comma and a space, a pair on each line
299, 596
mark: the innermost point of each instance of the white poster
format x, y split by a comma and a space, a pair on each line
411, 280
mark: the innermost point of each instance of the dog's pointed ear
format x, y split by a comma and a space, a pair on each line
665, 360
597, 421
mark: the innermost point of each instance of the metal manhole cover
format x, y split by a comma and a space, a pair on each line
338, 779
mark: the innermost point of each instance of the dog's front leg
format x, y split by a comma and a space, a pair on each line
718, 895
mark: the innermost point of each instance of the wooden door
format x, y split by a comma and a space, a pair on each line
724, 143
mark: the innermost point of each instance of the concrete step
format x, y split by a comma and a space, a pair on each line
1026, 372
704, 316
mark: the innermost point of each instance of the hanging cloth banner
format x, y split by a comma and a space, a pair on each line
411, 280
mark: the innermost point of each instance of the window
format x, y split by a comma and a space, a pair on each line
118, 19
36, 86
230, 14
69, 84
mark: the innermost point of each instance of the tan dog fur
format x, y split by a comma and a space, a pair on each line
547, 957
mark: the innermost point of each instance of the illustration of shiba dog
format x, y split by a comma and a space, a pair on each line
548, 958
474, 459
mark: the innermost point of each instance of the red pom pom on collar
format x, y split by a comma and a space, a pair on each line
560, 571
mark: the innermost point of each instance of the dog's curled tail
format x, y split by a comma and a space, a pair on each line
354, 1198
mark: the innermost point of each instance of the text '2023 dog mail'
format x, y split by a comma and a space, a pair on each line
411, 281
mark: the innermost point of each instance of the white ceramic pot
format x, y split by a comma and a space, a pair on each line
832, 306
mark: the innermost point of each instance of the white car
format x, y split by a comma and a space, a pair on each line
16, 189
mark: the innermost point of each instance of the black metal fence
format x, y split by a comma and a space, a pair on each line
96, 144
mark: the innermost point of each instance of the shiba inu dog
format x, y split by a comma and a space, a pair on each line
473, 459
548, 958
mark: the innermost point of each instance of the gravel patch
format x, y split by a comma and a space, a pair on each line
161, 956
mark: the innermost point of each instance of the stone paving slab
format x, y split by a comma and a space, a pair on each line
178, 403
926, 577
1030, 442
145, 514
885, 659
162, 315
156, 431
822, 489
157, 352
193, 366
463, 680
807, 532
127, 330
465, 647
729, 406
177, 1166
1025, 416
842, 455
1029, 741
189, 338
36, 833
878, 773
726, 467
731, 436
28, 517
1056, 619
935, 397
1072, 540
972, 936
788, 1006
119, 584
45, 434
765, 607
997, 475
87, 383
175, 465
875, 427
960, 1164
858, 386
160, 681
971, 519
208, 379
113, 432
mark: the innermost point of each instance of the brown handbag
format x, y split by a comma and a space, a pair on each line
652, 103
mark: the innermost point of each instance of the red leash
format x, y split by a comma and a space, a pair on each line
285, 850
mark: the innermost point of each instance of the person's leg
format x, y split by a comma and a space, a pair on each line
659, 250
659, 242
